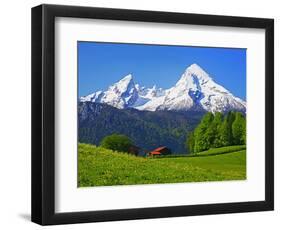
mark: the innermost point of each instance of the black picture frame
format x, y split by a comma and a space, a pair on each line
43, 114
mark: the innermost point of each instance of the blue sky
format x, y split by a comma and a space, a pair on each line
102, 64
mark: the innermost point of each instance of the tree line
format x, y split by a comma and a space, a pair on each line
217, 130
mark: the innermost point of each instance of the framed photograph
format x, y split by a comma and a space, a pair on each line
142, 114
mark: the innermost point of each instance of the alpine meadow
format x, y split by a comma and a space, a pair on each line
150, 114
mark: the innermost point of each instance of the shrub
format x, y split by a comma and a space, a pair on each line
117, 142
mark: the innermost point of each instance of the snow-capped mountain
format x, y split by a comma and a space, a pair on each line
195, 90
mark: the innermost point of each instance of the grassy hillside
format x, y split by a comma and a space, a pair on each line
101, 167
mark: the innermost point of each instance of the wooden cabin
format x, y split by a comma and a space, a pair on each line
163, 150
134, 150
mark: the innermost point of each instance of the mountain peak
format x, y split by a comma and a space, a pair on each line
125, 83
193, 73
127, 78
197, 70
195, 66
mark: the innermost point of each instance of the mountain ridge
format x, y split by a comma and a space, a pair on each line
147, 129
194, 91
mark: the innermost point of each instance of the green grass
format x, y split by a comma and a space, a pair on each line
217, 151
101, 167
210, 152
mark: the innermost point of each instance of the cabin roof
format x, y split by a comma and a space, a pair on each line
155, 153
159, 149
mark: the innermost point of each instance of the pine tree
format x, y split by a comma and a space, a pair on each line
226, 136
239, 129
202, 137
190, 142
223, 134
217, 123
244, 134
